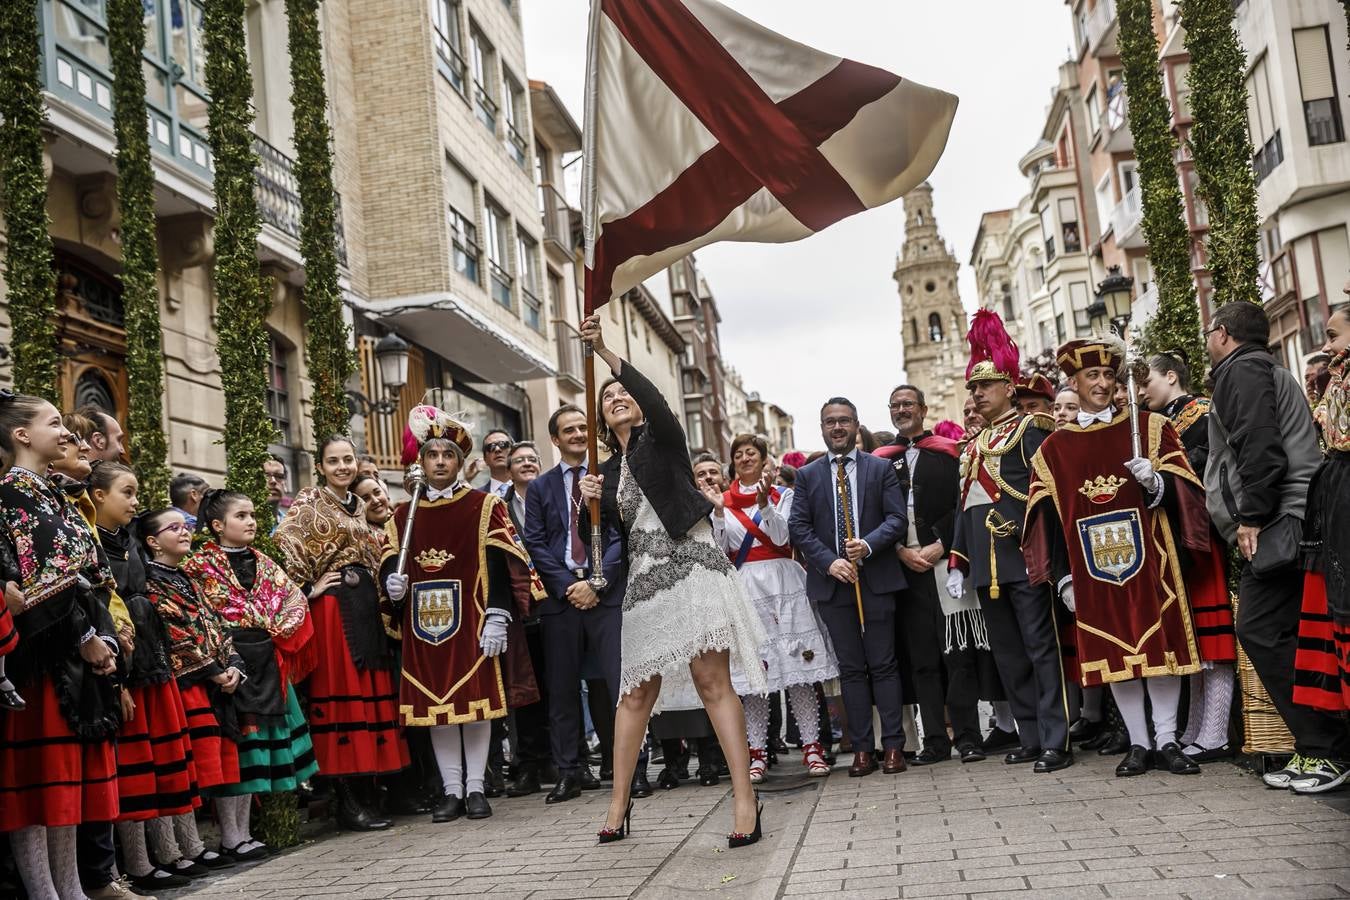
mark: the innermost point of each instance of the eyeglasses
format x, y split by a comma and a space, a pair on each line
842, 421
516, 460
904, 404
175, 527
496, 445
1212, 330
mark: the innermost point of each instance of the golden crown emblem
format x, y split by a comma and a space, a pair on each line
433, 560
1102, 488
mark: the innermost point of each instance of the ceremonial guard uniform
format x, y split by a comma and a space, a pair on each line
467, 577
1121, 541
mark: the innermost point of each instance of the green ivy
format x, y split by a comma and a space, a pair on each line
140, 256
328, 355
242, 300
1222, 148
1176, 325
29, 280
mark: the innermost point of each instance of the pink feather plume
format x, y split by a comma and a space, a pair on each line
989, 340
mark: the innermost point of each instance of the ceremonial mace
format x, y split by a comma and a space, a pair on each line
857, 584
1131, 395
415, 479
597, 581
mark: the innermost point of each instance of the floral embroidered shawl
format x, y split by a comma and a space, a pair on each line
51, 541
320, 535
198, 641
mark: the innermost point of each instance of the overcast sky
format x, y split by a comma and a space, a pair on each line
821, 317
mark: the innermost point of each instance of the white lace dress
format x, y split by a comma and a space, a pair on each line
797, 649
683, 599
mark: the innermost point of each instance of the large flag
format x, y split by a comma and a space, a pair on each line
703, 126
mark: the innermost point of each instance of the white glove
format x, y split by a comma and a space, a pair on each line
1143, 472
1067, 596
956, 584
396, 586
493, 641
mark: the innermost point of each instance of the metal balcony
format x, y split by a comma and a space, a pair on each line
557, 218
568, 340
1127, 221
278, 195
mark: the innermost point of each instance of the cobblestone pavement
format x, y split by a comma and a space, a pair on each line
945, 830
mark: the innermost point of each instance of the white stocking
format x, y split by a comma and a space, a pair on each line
477, 742
61, 858
805, 709
1195, 712
1130, 700
135, 859
30, 856
1003, 717
1165, 693
1218, 703
446, 745
162, 840
757, 720
232, 813
5, 683
185, 832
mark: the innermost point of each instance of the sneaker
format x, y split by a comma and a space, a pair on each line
1280, 778
119, 889
1320, 775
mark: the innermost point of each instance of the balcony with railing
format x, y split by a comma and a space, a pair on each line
1102, 28
568, 340
1268, 157
277, 194
557, 219
500, 286
517, 146
450, 62
485, 107
1126, 221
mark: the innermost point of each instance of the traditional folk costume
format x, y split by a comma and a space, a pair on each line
57, 763
1018, 612
353, 709
796, 653
1122, 545
467, 573
1322, 663
1206, 734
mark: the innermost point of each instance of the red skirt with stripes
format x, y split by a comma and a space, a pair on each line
214, 756
1322, 660
155, 772
1212, 606
353, 713
47, 777
9, 635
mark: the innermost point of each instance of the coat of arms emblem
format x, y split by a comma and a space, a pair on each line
436, 612
1113, 545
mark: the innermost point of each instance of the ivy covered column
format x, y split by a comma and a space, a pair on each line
1176, 325
328, 355
140, 256
29, 283
1222, 148
242, 305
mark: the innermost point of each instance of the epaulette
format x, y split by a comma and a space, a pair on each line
1043, 421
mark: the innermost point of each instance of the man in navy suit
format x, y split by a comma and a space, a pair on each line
573, 617
847, 492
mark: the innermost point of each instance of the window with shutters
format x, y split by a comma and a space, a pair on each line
498, 250
1265, 133
461, 219
1048, 233
1317, 82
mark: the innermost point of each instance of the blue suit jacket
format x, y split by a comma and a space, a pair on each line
547, 516
882, 523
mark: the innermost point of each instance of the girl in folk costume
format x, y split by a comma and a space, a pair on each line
467, 579
155, 774
1322, 664
208, 671
1168, 391
269, 624
750, 522
57, 765
334, 555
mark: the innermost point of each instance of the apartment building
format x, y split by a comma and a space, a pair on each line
702, 372
772, 422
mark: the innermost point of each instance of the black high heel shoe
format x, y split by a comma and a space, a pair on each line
736, 839
610, 835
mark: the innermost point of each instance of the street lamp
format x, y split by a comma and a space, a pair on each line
1112, 305
391, 355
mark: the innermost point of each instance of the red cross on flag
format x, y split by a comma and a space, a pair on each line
703, 126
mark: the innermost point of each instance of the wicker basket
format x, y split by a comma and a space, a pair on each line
1263, 727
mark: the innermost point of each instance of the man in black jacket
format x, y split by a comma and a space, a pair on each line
1262, 454
926, 467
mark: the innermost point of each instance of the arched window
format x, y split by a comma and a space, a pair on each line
913, 330
935, 328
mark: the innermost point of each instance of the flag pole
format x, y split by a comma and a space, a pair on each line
597, 581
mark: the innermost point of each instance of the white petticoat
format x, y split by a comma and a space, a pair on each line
796, 649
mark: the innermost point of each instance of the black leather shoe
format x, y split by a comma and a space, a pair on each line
1023, 755
667, 781
708, 777
1118, 742
448, 810
586, 778
931, 755
999, 739
1204, 756
1084, 730
1104, 734
1136, 762
971, 753
606, 772
476, 806
494, 785
525, 783
1171, 758
158, 880
352, 814
10, 700
567, 788
213, 860
1053, 761
641, 787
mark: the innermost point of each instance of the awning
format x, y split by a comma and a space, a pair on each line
452, 328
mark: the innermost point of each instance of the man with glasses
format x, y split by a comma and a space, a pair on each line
274, 471
497, 446
847, 515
